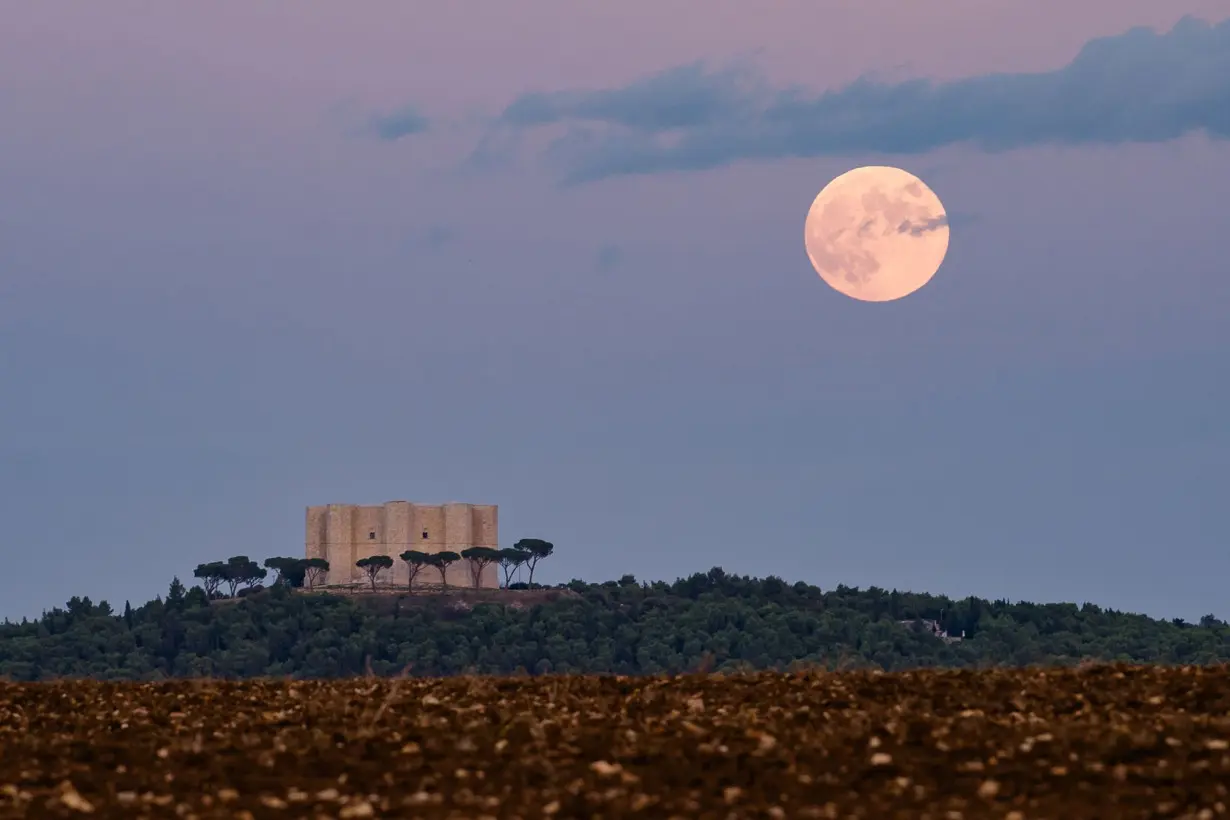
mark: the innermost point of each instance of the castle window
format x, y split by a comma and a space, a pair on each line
371, 536
424, 534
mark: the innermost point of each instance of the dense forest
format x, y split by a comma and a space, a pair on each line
709, 621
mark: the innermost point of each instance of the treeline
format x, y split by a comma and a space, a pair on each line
710, 621
240, 573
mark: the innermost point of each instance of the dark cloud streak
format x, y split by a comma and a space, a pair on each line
1140, 86
926, 226
398, 124
689, 96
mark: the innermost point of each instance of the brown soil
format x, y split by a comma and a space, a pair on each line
1105, 742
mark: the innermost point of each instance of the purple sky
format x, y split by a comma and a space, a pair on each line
254, 258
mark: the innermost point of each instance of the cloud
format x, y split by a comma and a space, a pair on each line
608, 258
959, 219
926, 226
398, 124
1140, 86
689, 96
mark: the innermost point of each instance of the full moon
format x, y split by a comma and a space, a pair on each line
876, 233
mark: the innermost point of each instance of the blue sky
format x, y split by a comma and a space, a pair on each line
551, 258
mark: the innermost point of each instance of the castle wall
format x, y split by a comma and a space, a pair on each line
486, 526
398, 529
486, 534
316, 532
368, 521
344, 533
458, 527
339, 540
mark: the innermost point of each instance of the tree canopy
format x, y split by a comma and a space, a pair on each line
510, 561
442, 561
534, 549
373, 565
711, 620
479, 558
415, 562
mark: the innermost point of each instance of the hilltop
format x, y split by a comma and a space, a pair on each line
710, 621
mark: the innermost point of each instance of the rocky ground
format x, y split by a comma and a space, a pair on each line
1106, 742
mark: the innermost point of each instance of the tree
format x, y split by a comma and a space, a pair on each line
240, 569
415, 561
314, 571
480, 558
537, 549
232, 574
290, 571
176, 594
708, 621
373, 565
211, 576
511, 559
442, 561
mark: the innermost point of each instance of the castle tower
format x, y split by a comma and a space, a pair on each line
344, 533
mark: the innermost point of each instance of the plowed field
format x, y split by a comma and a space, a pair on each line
1106, 742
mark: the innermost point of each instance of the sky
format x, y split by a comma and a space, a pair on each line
549, 256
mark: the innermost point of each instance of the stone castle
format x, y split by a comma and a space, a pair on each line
343, 533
